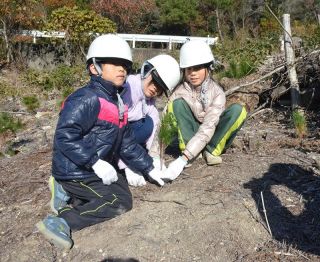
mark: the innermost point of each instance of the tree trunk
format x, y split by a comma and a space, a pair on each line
6, 40
218, 24
318, 16
67, 58
289, 54
234, 25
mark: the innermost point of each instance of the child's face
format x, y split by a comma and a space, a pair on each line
150, 89
114, 73
196, 75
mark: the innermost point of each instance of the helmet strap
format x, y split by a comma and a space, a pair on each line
211, 67
146, 70
97, 66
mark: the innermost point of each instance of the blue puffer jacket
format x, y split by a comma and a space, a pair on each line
89, 128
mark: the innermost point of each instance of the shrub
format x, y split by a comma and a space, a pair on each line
38, 78
239, 69
6, 90
7, 122
312, 40
245, 55
31, 102
61, 78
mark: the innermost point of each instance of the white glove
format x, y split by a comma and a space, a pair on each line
134, 179
157, 163
174, 169
156, 175
105, 171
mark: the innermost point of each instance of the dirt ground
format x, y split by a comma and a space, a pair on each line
207, 214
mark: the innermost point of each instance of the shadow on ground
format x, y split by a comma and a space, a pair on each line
291, 196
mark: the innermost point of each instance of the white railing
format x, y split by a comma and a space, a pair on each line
169, 39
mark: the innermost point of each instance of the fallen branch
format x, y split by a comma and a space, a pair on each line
22, 183
13, 112
259, 112
284, 254
258, 109
265, 214
162, 201
232, 90
213, 204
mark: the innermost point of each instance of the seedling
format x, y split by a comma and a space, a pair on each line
300, 123
168, 130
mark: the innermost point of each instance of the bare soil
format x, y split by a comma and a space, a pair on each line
208, 214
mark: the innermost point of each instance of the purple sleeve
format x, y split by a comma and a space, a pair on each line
153, 112
134, 97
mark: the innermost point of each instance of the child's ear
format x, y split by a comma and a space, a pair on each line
92, 70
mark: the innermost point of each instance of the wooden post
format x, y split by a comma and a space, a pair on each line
289, 52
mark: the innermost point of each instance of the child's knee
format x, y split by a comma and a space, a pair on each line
178, 102
236, 108
126, 202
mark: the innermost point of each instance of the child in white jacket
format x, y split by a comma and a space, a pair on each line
198, 107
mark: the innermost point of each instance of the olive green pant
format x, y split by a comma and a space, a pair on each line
229, 124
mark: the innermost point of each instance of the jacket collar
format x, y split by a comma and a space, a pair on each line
106, 86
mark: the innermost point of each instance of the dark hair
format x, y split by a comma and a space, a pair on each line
159, 82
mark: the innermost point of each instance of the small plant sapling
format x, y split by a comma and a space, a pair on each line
168, 130
300, 123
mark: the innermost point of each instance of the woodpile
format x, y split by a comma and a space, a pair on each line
270, 85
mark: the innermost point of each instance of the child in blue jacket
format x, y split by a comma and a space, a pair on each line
92, 134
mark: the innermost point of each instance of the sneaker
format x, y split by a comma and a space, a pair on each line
59, 197
57, 231
211, 159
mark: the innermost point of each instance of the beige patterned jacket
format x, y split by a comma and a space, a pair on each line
207, 103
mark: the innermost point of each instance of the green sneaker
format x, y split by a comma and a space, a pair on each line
59, 197
57, 231
211, 159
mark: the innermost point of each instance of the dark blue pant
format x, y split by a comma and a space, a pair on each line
142, 129
94, 202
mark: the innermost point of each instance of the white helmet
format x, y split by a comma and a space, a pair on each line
110, 46
165, 71
195, 52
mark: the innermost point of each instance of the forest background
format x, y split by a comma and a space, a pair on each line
248, 32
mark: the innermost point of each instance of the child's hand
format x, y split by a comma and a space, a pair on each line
105, 171
174, 169
156, 174
134, 179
